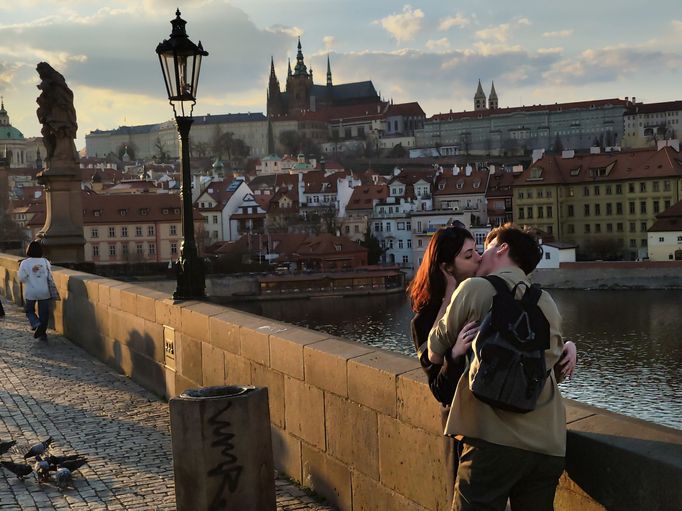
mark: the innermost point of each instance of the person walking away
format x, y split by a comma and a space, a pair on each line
504, 455
33, 273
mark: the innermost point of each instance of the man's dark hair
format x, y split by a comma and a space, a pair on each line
524, 248
34, 249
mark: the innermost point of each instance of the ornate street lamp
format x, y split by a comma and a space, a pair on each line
180, 62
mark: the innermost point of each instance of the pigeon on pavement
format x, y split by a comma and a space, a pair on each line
6, 446
63, 477
42, 469
73, 465
38, 448
20, 470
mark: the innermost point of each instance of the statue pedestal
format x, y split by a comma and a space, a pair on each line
62, 235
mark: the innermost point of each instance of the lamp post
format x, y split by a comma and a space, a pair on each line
180, 61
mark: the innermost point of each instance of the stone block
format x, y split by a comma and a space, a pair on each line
115, 294
102, 319
304, 411
121, 358
154, 347
262, 376
325, 363
416, 404
370, 495
404, 449
188, 360
146, 304
148, 373
286, 349
352, 434
182, 384
128, 299
224, 332
287, 453
254, 343
92, 289
237, 369
195, 318
378, 371
327, 477
212, 365
170, 383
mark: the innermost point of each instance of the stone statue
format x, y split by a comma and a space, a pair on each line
57, 115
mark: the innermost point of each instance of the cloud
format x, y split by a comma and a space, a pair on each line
498, 33
403, 26
677, 25
329, 42
558, 33
453, 21
523, 22
557, 49
282, 29
438, 44
611, 64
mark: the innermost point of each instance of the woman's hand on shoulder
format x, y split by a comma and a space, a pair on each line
464, 339
450, 281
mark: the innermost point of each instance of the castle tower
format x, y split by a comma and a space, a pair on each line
479, 98
274, 102
299, 84
492, 98
329, 73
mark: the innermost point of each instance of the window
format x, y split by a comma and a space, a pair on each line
656, 206
608, 190
408, 226
174, 248
406, 259
521, 214
571, 211
347, 229
173, 230
95, 251
587, 228
409, 243
152, 249
549, 211
619, 227
388, 226
400, 243
124, 232
666, 204
597, 227
112, 250
619, 208
138, 231
666, 186
642, 187
656, 186
632, 227
642, 206
124, 249
112, 232
541, 212
419, 243
94, 232
596, 189
633, 243
529, 212
597, 209
631, 206
377, 226
661, 239
631, 187
548, 255
644, 242
571, 228
587, 210
356, 228
215, 219
609, 227
150, 230
642, 226
586, 191
401, 226
619, 189
139, 249
390, 244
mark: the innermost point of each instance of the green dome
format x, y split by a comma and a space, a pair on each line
10, 133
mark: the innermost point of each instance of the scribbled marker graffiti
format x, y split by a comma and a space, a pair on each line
229, 469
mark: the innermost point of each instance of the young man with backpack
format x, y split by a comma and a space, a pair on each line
508, 450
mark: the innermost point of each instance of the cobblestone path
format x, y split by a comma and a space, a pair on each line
57, 389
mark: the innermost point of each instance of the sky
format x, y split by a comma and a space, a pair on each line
433, 52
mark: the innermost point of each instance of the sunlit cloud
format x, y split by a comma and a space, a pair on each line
558, 33
403, 26
438, 44
557, 49
328, 41
498, 33
453, 21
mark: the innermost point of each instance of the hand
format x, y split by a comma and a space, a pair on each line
464, 339
568, 360
450, 281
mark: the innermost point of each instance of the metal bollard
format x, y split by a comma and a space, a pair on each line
222, 449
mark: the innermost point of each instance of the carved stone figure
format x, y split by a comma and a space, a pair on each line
57, 115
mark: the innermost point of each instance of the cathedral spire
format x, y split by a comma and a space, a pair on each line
300, 68
329, 73
289, 70
492, 98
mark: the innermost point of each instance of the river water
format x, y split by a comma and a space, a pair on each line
629, 341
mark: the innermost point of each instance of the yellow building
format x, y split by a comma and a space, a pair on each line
602, 202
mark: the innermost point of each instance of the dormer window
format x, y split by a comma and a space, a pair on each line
575, 171
165, 211
123, 212
144, 211
176, 211
337, 247
460, 184
477, 183
97, 212
536, 173
441, 185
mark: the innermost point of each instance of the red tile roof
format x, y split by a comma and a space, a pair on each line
653, 108
406, 109
461, 184
669, 220
364, 196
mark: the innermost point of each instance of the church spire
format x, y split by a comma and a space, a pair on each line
289, 69
300, 68
329, 73
479, 97
492, 98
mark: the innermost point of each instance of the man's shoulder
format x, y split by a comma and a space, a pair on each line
475, 285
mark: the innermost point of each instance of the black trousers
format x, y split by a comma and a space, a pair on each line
489, 474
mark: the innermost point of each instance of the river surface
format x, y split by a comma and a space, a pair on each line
629, 341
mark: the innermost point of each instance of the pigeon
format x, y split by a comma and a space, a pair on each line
58, 460
6, 446
73, 465
38, 448
42, 469
20, 470
62, 477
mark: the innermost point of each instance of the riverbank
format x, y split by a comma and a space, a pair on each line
611, 275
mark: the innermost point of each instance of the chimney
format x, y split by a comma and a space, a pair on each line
455, 170
467, 170
634, 100
595, 150
568, 154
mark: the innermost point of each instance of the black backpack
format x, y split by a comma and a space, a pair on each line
510, 348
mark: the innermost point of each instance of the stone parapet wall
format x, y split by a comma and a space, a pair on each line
356, 424
611, 275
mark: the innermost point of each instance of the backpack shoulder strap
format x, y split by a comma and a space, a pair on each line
532, 295
498, 283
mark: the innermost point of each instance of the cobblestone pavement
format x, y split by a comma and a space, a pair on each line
57, 389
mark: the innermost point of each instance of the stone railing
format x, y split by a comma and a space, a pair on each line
356, 424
